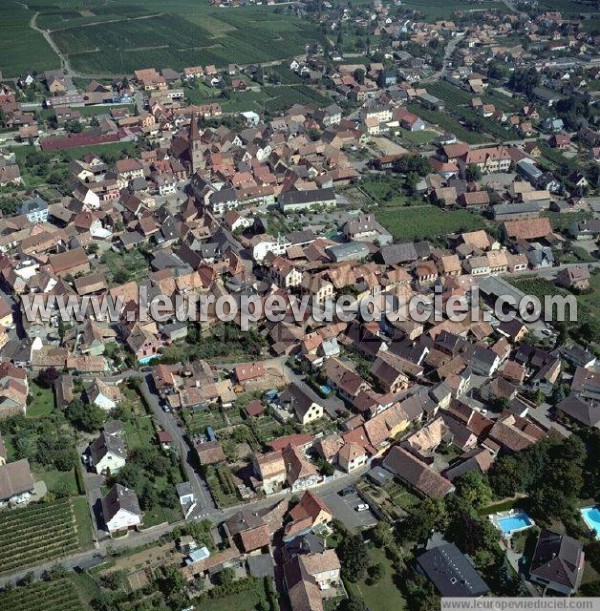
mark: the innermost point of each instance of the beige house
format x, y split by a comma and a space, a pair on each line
351, 456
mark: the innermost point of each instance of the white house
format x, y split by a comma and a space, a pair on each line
121, 510
107, 454
103, 395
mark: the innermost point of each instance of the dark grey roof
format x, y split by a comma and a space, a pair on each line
118, 498
223, 196
184, 489
586, 412
299, 400
261, 566
399, 253
451, 572
105, 443
557, 558
301, 237
306, 197
36, 204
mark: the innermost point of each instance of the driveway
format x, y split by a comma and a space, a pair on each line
344, 509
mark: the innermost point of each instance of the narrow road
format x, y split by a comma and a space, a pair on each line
450, 47
206, 504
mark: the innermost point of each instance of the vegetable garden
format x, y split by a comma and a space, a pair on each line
36, 533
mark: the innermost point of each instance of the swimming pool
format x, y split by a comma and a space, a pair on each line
511, 523
591, 516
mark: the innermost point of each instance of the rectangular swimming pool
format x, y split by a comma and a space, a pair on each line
512, 523
591, 516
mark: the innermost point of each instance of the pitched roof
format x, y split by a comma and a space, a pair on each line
416, 473
15, 478
558, 559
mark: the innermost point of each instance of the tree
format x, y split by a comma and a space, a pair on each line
353, 603
47, 377
353, 557
472, 173
424, 518
359, 76
474, 489
375, 572
382, 536
84, 417
226, 576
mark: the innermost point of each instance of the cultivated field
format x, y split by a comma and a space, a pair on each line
426, 222
36, 534
441, 9
112, 39
21, 48
58, 595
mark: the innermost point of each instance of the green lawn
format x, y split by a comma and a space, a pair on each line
427, 222
139, 432
83, 520
417, 138
57, 480
244, 601
386, 190
383, 595
448, 123
42, 401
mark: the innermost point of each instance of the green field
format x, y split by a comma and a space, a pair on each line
427, 222
37, 533
57, 595
21, 48
447, 122
440, 9
108, 39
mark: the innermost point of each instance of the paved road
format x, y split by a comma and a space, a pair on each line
104, 548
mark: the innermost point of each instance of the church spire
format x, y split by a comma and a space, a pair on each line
194, 130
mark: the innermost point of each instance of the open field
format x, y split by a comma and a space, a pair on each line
120, 39
21, 48
426, 222
37, 533
58, 595
439, 9
448, 123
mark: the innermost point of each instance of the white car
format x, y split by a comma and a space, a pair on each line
362, 507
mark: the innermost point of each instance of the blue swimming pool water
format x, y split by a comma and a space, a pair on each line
591, 516
518, 521
145, 360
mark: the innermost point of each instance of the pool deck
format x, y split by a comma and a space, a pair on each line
496, 517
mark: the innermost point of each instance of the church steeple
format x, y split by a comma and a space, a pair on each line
194, 129
195, 145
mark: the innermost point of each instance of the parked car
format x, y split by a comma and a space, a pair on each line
362, 507
346, 491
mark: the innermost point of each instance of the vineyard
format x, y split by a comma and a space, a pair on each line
427, 222
188, 35
59, 595
35, 534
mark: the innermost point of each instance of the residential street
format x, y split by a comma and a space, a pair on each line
206, 504
104, 548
